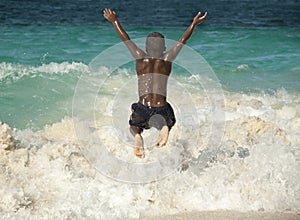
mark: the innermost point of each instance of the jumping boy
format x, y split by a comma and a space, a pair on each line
153, 68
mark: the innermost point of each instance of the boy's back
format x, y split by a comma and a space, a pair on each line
153, 76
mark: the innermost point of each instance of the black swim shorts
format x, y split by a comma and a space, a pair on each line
145, 117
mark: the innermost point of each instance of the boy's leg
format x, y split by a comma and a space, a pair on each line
138, 142
163, 136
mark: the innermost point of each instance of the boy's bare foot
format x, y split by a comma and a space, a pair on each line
163, 136
139, 146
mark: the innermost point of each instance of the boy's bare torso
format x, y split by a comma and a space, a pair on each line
153, 76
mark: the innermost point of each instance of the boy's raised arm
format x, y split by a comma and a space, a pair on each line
111, 16
172, 54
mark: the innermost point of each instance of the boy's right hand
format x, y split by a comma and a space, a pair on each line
198, 19
110, 15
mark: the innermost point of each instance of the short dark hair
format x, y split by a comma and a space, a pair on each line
155, 42
156, 34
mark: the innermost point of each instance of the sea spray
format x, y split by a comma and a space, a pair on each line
47, 174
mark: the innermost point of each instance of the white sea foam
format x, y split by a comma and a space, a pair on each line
256, 168
17, 71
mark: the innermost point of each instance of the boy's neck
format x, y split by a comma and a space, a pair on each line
155, 54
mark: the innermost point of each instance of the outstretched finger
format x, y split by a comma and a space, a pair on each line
205, 14
198, 14
203, 17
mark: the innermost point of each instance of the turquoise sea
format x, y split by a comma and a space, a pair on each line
40, 65
252, 48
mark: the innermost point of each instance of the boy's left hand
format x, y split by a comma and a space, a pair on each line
110, 15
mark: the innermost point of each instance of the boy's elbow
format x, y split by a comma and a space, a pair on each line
183, 41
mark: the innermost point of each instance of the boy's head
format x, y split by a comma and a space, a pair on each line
155, 43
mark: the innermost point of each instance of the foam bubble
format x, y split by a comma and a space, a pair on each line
243, 67
6, 139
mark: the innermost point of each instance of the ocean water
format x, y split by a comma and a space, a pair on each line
240, 153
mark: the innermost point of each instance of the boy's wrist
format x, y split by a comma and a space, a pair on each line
115, 23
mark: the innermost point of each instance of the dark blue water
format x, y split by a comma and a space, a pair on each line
170, 13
